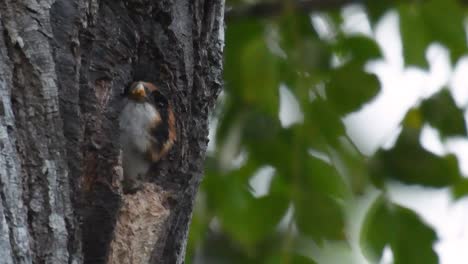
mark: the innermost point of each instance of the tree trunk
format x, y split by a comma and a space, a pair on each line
63, 66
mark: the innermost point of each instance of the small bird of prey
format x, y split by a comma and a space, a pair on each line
147, 131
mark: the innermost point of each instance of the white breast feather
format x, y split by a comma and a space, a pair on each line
134, 122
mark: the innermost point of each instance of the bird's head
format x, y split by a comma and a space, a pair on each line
138, 91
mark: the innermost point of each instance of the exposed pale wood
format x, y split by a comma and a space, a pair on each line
142, 218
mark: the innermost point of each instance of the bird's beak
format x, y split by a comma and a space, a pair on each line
139, 91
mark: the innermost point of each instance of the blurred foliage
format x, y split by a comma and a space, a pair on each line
315, 172
401, 229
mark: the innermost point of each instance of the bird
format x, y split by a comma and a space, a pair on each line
147, 131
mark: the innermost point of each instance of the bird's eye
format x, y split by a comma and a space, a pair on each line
159, 99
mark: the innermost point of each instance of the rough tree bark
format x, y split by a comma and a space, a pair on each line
63, 66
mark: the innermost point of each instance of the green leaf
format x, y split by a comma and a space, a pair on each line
323, 178
376, 9
266, 141
409, 231
414, 35
442, 113
239, 34
319, 115
358, 48
460, 189
263, 215
401, 229
422, 24
354, 166
251, 70
318, 211
376, 230
408, 162
297, 259
413, 120
319, 217
247, 219
307, 56
220, 248
350, 88
294, 28
224, 189
306, 64
447, 26
291, 258
261, 128
259, 77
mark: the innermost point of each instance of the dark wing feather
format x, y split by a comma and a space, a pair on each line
163, 131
